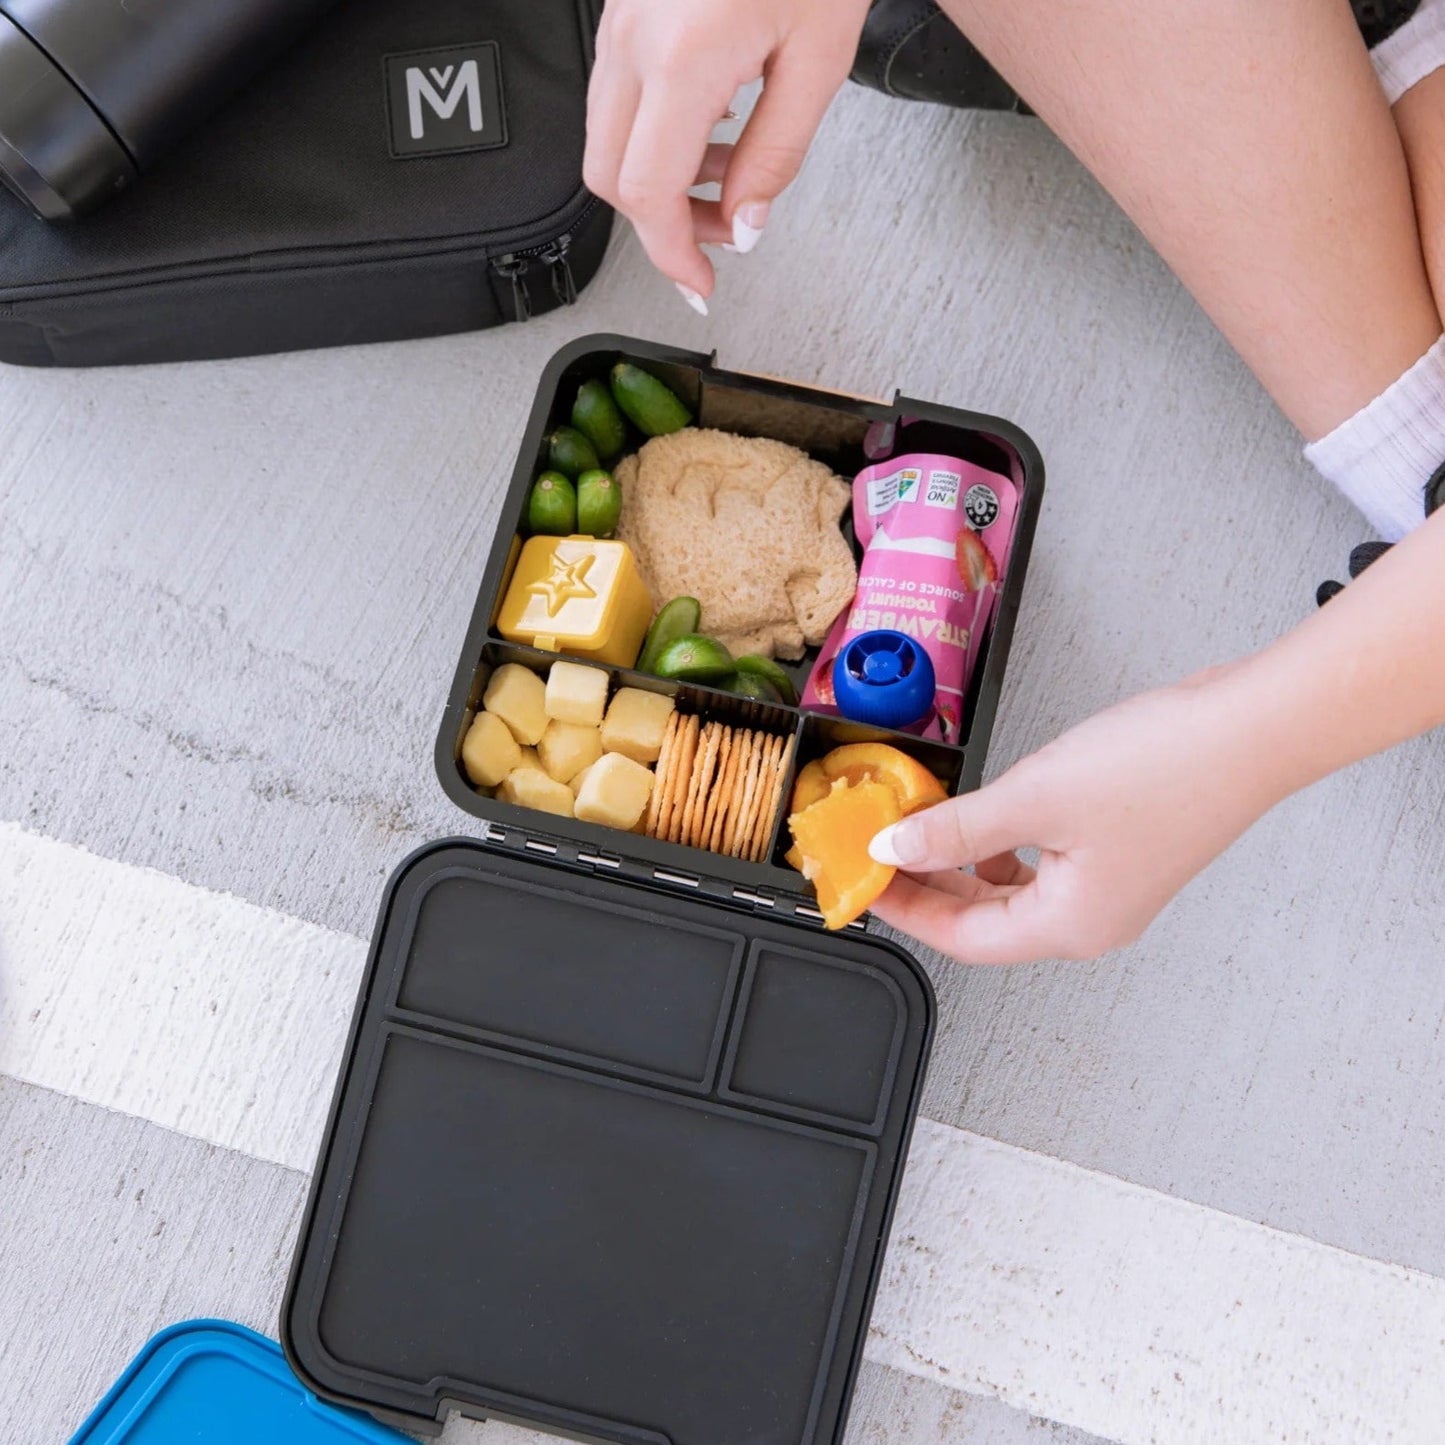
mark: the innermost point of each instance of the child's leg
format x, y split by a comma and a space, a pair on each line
1384, 456
1420, 115
1253, 146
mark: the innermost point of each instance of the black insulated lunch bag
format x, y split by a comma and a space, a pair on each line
406, 169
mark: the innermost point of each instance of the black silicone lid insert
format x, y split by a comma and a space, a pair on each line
607, 1159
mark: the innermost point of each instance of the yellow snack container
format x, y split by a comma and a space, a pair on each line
580, 595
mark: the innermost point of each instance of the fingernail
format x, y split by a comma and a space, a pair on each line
748, 222
692, 298
901, 845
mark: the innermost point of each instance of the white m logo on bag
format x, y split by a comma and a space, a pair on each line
428, 85
448, 98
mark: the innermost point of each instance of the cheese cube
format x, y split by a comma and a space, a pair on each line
489, 751
615, 792
518, 696
635, 723
566, 749
530, 759
576, 783
576, 694
527, 788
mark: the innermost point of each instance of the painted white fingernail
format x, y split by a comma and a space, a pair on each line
692, 298
748, 222
901, 845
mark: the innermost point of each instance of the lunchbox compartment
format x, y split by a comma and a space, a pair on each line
637, 1259
819, 735
569, 977
818, 1037
847, 433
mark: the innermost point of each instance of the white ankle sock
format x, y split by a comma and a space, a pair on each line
1382, 456
1413, 51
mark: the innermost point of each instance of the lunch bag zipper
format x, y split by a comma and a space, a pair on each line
513, 267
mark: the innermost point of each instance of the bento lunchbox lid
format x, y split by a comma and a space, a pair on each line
211, 1382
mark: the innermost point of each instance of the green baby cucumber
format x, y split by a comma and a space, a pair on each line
647, 403
596, 416
599, 503
570, 453
678, 618
765, 668
552, 506
752, 685
695, 658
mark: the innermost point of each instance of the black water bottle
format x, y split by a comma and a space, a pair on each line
92, 91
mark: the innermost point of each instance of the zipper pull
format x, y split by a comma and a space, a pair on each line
564, 285
514, 269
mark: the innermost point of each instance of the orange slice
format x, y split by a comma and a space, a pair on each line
813, 783
912, 783
831, 838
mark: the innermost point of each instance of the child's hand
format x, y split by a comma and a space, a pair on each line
1130, 805
666, 71
1125, 809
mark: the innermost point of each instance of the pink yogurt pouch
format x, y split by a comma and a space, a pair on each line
936, 533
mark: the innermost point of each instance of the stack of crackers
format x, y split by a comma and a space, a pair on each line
718, 787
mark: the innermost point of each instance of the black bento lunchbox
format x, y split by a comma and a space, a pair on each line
620, 1128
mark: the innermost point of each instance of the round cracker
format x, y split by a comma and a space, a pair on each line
745, 796
714, 793
665, 781
743, 743
668, 786
777, 807
768, 813
659, 783
686, 786
753, 786
687, 789
697, 790
686, 756
722, 793
767, 776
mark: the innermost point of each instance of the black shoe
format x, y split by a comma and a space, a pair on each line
1380, 19
912, 50
1368, 553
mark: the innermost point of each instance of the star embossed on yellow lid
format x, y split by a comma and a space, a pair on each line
564, 582
578, 595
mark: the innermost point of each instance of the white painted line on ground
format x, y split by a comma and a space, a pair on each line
1071, 1295
1142, 1318
193, 1009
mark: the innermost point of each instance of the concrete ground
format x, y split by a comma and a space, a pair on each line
1188, 1193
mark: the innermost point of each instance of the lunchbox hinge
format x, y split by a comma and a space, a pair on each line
515, 840
754, 900
790, 906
